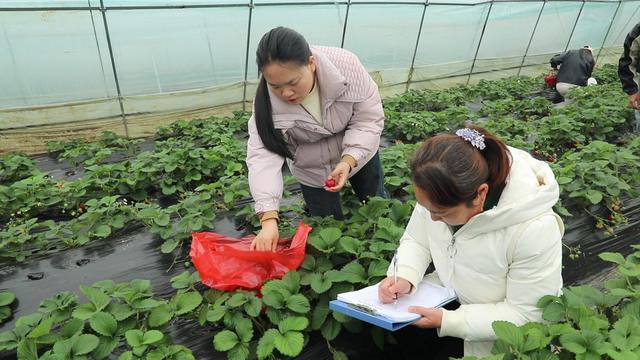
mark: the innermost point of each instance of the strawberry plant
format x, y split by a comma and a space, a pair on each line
416, 126
14, 167
193, 213
22, 238
582, 323
525, 109
596, 173
93, 153
606, 74
395, 162
425, 100
518, 87
205, 131
34, 195
601, 109
100, 218
559, 133
6, 299
516, 133
118, 318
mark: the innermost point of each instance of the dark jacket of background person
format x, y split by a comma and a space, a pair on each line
628, 66
576, 66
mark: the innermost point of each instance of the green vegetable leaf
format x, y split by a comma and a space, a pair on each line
239, 352
330, 329
354, 272
151, 337
6, 298
160, 315
84, 311
320, 312
216, 312
97, 297
290, 344
102, 231
319, 283
71, 328
238, 299
186, 302
253, 306
105, 347
134, 337
244, 330
509, 333
293, 323
42, 329
298, 303
85, 344
225, 340
267, 343
103, 323
574, 342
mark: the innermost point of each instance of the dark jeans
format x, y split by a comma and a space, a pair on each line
417, 343
366, 183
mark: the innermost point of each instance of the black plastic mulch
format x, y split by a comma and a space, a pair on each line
136, 255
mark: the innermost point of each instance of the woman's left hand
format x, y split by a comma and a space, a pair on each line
340, 174
431, 318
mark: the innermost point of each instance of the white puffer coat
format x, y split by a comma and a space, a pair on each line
499, 263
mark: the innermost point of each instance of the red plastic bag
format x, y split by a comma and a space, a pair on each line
226, 263
550, 79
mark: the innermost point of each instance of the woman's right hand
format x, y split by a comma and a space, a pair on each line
267, 238
389, 290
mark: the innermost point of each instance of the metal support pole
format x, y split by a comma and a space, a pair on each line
533, 33
606, 35
415, 50
484, 27
574, 26
95, 35
246, 58
346, 20
103, 10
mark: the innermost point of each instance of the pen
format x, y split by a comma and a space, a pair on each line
395, 274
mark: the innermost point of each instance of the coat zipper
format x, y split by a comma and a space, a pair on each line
451, 250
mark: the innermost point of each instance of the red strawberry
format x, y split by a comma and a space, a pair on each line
330, 183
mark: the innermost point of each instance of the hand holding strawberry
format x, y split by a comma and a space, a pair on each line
338, 177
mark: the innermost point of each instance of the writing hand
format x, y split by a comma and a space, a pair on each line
389, 291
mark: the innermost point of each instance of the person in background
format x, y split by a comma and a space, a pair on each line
317, 108
629, 71
574, 69
484, 219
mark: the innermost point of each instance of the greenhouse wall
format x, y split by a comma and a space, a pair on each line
74, 68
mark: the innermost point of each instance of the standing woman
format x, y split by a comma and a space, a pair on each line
318, 109
484, 219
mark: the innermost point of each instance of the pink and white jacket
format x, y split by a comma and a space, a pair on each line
353, 122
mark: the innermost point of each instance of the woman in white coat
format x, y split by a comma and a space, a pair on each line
484, 219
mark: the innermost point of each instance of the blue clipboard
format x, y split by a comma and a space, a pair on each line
368, 315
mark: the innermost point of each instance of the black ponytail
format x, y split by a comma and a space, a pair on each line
278, 45
271, 137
